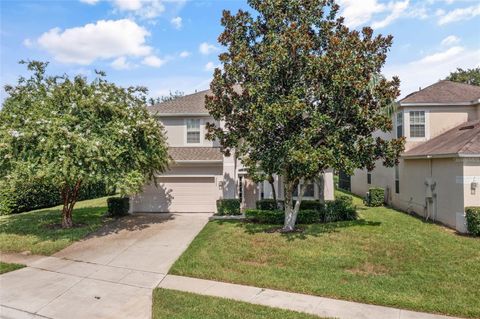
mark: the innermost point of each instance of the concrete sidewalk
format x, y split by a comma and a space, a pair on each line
323, 307
110, 274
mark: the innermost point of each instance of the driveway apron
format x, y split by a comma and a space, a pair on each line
109, 274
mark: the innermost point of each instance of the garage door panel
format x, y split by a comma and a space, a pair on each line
179, 194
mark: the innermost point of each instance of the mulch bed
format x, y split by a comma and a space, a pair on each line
297, 230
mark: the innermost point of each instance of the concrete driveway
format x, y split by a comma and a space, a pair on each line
110, 274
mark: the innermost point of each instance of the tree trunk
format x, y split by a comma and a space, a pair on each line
291, 211
271, 181
69, 197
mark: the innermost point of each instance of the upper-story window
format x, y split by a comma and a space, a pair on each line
193, 131
417, 124
399, 124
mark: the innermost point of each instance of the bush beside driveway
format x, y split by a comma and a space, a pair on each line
386, 257
39, 231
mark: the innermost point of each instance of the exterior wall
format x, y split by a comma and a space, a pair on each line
448, 195
439, 119
193, 188
176, 131
471, 174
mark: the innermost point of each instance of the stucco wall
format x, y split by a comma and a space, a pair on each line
176, 131
449, 198
471, 171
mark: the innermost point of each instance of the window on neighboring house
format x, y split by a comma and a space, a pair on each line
309, 190
399, 124
369, 178
193, 131
397, 180
417, 123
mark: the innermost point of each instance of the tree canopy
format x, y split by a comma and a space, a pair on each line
468, 76
71, 131
299, 93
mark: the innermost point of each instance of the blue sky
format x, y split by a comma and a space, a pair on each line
169, 45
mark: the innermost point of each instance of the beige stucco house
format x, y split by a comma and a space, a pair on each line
200, 174
439, 172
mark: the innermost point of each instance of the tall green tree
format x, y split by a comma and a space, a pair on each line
306, 101
468, 76
73, 132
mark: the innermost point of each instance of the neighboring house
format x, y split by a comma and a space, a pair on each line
439, 172
200, 174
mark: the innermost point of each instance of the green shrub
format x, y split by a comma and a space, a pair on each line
266, 204
472, 215
265, 216
18, 196
118, 206
308, 216
269, 204
228, 206
340, 209
375, 197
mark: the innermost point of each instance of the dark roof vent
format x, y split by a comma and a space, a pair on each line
468, 127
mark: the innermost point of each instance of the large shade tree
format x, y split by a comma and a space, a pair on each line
299, 93
73, 132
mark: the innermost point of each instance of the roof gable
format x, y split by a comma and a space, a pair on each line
444, 92
188, 104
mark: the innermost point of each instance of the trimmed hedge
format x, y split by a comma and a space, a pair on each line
472, 215
340, 209
228, 207
269, 204
21, 196
277, 217
118, 206
375, 197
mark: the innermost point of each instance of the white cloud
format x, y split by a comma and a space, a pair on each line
210, 66
397, 9
176, 22
443, 56
433, 67
121, 64
184, 54
147, 9
450, 40
27, 43
153, 61
89, 1
357, 12
104, 39
207, 48
458, 14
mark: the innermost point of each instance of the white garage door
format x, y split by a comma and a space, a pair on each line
179, 194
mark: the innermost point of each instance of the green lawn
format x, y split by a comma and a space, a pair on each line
182, 305
386, 258
39, 233
6, 267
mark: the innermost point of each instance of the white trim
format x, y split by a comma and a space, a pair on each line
185, 132
440, 104
406, 127
181, 114
194, 176
439, 156
197, 161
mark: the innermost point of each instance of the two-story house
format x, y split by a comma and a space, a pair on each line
439, 172
199, 173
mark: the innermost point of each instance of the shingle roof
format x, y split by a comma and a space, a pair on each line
188, 104
195, 153
445, 92
463, 140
